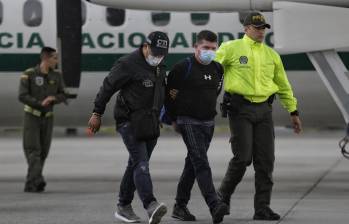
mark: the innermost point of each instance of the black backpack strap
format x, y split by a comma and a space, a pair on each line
189, 66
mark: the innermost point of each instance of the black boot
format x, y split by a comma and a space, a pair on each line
41, 186
266, 214
225, 201
30, 187
218, 212
182, 213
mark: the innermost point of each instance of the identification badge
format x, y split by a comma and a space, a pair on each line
148, 83
243, 60
39, 81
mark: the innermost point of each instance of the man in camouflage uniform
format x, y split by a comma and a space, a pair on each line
40, 88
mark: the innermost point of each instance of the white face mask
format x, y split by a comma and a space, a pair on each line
153, 61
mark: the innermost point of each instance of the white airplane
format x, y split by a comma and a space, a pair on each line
118, 28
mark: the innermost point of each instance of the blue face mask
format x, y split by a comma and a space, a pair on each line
206, 56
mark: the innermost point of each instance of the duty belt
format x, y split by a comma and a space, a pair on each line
37, 113
270, 99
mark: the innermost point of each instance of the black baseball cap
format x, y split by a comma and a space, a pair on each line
159, 43
256, 19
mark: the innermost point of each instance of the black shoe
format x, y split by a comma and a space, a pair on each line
225, 201
41, 186
219, 212
266, 214
182, 213
30, 189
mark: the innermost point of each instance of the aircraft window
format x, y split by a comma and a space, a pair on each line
83, 12
160, 18
1, 13
32, 13
115, 17
200, 18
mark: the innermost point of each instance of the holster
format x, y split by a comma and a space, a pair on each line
225, 105
271, 99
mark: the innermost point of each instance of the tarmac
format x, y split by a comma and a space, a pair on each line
311, 180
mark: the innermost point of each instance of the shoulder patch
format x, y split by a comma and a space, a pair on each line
29, 71
24, 76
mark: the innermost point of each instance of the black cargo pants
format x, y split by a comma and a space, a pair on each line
252, 140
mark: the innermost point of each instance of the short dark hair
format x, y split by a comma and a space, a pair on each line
206, 35
46, 52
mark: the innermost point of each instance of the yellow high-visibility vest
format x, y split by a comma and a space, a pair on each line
255, 71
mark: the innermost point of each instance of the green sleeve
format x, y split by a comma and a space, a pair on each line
24, 95
285, 92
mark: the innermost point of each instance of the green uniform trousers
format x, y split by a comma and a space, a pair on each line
37, 136
252, 140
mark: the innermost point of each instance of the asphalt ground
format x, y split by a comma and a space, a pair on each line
83, 175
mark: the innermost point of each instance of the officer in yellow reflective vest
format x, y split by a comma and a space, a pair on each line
40, 88
253, 75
